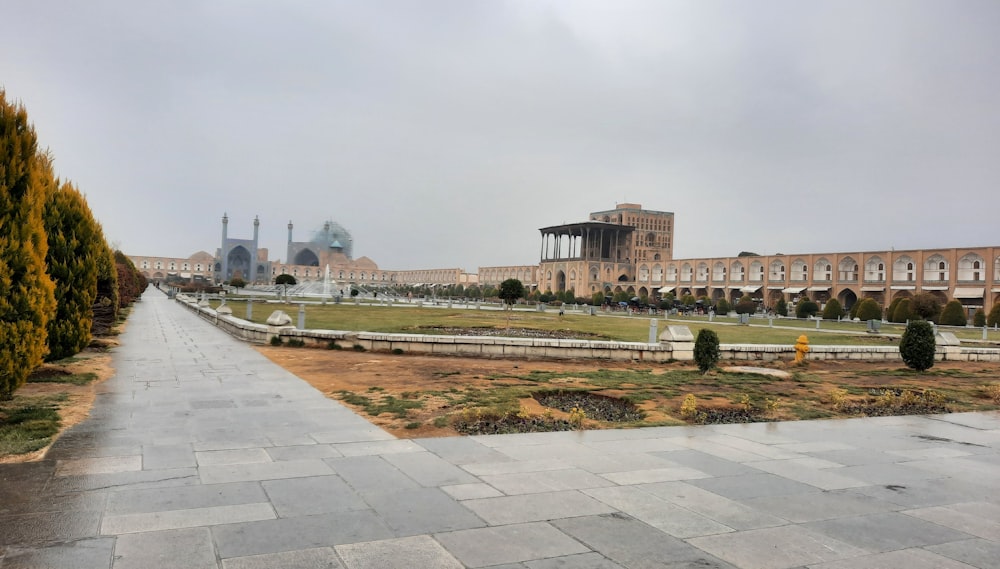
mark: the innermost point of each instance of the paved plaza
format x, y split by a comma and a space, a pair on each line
200, 453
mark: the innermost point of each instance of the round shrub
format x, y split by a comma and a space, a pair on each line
890, 313
902, 312
917, 345
869, 310
993, 319
806, 308
722, 307
833, 310
706, 349
953, 314
781, 308
745, 307
979, 318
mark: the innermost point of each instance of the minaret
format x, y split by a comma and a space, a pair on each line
253, 259
224, 252
288, 255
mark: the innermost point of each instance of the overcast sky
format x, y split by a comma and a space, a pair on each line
446, 133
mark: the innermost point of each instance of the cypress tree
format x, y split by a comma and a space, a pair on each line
27, 302
979, 318
106, 304
75, 244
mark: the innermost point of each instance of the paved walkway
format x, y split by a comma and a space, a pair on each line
200, 453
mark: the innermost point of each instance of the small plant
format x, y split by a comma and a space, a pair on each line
440, 422
576, 417
359, 348
333, 345
397, 351
689, 407
413, 425
993, 318
706, 349
275, 340
917, 345
838, 397
992, 391
296, 343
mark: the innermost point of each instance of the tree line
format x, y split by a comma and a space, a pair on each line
60, 281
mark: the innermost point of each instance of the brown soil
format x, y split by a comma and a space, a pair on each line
405, 376
80, 397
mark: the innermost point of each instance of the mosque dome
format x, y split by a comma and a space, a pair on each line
335, 236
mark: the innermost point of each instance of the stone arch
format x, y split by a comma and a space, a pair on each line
936, 268
737, 272
643, 273
901, 294
972, 268
756, 271
656, 256
776, 270
623, 278
306, 257
238, 260
903, 269
672, 272
719, 271
157, 275
847, 298
847, 270
560, 281
875, 269
687, 272
657, 273
718, 293
800, 271
773, 296
702, 274
822, 270
643, 291
939, 295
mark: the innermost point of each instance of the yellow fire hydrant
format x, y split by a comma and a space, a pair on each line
801, 347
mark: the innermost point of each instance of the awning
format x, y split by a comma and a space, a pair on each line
186, 275
733, 287
793, 289
750, 289
969, 292
818, 288
778, 287
903, 287
934, 288
666, 289
873, 289
995, 290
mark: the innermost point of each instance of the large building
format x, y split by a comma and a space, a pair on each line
625, 249
629, 249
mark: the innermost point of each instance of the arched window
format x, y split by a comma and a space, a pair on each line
687, 272
970, 268
719, 271
756, 271
671, 273
847, 270
936, 269
902, 270
777, 271
875, 269
702, 272
800, 272
738, 271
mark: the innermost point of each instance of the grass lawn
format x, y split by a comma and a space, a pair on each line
431, 320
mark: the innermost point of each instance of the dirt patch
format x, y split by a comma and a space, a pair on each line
79, 398
424, 396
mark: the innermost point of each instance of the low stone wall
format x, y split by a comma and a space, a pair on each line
540, 348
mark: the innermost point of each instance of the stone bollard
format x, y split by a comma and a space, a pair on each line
770, 322
249, 309
818, 320
302, 316
652, 331
984, 333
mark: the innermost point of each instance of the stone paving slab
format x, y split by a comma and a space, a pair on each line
201, 453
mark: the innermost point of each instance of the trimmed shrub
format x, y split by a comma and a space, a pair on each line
902, 313
917, 345
853, 313
953, 314
722, 307
890, 313
833, 310
979, 318
745, 307
781, 308
869, 310
27, 299
993, 319
806, 308
706, 349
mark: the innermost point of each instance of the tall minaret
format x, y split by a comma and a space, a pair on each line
253, 260
288, 255
224, 251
